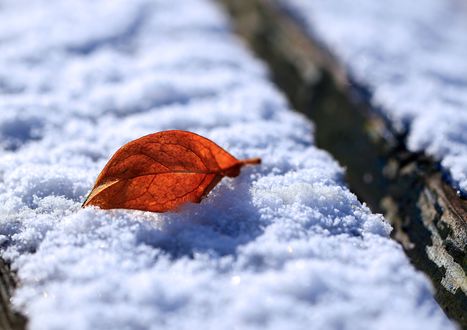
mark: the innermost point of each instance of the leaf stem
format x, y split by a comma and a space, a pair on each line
251, 161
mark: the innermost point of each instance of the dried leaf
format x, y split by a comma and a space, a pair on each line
161, 171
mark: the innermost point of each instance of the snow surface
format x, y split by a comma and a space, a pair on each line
283, 246
411, 56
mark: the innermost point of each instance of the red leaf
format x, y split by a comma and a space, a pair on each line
161, 171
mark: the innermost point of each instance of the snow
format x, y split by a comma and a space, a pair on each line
284, 245
410, 56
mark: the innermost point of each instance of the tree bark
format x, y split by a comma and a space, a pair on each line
429, 219
9, 318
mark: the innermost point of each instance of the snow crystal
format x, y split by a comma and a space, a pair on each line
410, 55
284, 245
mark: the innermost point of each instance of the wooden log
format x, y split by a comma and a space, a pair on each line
9, 318
429, 219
